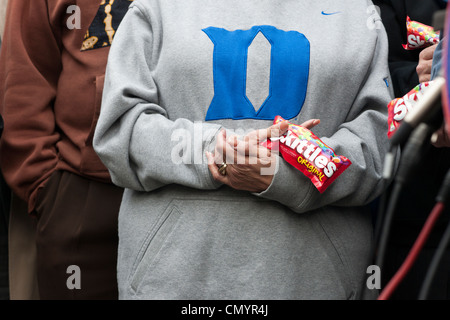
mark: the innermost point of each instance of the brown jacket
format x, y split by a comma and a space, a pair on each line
50, 89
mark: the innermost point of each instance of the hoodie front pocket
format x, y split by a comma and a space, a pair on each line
224, 248
153, 243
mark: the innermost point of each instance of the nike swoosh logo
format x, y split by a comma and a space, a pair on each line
331, 13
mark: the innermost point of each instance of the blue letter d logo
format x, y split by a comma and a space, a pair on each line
289, 69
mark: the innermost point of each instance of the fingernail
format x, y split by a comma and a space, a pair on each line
434, 137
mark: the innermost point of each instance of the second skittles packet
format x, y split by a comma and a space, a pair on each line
399, 107
419, 35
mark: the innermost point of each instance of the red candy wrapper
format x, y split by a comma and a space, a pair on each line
303, 150
399, 107
419, 35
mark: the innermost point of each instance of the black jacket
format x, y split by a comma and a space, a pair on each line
403, 63
418, 195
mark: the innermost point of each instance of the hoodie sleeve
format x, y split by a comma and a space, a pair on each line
141, 147
361, 138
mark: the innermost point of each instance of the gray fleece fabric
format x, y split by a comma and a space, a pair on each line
178, 72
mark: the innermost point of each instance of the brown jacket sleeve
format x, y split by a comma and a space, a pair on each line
30, 65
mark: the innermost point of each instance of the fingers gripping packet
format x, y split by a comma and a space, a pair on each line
303, 150
399, 107
419, 35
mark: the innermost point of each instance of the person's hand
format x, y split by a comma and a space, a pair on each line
441, 138
423, 68
249, 166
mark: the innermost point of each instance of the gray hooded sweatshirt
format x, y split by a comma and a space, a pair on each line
180, 71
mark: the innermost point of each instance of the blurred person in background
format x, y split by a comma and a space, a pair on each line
52, 67
408, 68
5, 198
